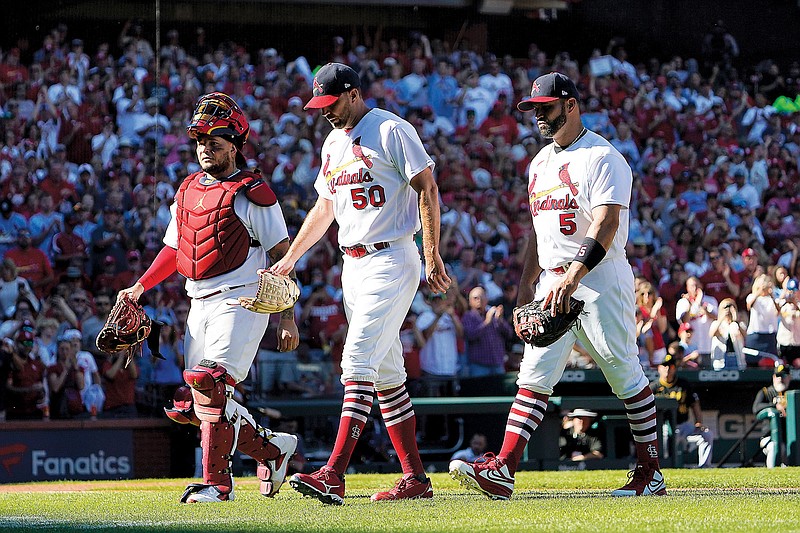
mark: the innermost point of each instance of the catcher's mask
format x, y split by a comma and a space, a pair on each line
219, 115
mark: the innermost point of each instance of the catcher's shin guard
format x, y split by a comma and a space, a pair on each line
182, 410
218, 440
208, 380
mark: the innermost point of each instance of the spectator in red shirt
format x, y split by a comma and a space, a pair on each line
26, 398
720, 281
750, 272
11, 71
412, 340
671, 289
32, 264
323, 316
108, 276
56, 184
119, 385
499, 123
66, 381
68, 248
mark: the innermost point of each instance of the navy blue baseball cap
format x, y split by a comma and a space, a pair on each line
332, 80
549, 88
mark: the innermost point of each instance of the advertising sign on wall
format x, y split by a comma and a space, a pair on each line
65, 455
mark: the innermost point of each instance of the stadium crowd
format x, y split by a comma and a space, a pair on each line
94, 146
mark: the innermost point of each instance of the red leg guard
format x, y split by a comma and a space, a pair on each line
207, 380
182, 410
217, 440
253, 442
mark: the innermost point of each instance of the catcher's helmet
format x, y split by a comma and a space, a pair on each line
219, 115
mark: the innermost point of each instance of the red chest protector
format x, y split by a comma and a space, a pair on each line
212, 240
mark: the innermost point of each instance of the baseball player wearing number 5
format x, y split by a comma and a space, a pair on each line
376, 181
579, 189
225, 221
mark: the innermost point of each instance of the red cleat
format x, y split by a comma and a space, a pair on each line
324, 484
643, 481
408, 487
491, 477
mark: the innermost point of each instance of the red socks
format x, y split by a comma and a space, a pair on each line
401, 424
641, 411
526, 413
356, 407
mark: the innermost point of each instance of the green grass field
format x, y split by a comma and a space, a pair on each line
752, 499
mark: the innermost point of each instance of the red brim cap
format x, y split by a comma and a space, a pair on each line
528, 103
318, 102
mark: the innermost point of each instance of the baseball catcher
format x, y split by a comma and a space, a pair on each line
225, 225
126, 328
275, 293
536, 325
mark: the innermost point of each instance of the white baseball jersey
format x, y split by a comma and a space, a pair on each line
564, 187
366, 173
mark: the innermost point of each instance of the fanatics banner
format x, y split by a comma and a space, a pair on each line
42, 455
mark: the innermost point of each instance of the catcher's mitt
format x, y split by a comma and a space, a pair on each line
275, 293
538, 327
126, 328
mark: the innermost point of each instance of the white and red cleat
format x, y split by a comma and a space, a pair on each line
491, 477
408, 487
202, 493
324, 484
643, 481
273, 473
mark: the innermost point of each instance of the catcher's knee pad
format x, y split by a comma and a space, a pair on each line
207, 380
182, 410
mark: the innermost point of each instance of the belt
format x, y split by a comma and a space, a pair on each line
561, 270
224, 289
360, 250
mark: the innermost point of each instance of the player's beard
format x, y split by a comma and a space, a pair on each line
218, 168
549, 128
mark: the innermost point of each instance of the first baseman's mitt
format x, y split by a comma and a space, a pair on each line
126, 328
275, 293
537, 326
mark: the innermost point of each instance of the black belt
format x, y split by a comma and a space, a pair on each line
224, 289
360, 250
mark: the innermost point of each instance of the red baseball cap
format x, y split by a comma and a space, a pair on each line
332, 80
549, 88
685, 327
749, 252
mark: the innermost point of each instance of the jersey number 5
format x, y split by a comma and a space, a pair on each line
568, 225
373, 196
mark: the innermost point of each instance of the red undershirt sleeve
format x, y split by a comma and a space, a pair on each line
164, 265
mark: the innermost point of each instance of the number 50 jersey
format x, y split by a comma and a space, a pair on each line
366, 172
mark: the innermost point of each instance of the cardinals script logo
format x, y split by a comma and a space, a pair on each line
543, 200
340, 174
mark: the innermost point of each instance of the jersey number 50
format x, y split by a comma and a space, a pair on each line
373, 196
